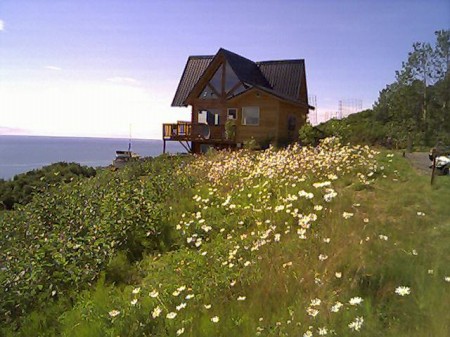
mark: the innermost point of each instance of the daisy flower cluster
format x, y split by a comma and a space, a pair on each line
246, 204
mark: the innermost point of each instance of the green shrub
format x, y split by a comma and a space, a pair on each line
309, 135
60, 242
119, 270
22, 187
251, 144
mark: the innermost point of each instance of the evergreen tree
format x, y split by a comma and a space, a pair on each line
416, 106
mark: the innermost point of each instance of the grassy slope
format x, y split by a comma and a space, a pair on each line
383, 245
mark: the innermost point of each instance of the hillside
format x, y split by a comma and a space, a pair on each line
22, 187
334, 240
412, 112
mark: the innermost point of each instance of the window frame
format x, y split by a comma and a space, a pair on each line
229, 116
246, 109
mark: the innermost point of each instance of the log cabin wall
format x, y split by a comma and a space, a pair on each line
267, 130
274, 125
291, 119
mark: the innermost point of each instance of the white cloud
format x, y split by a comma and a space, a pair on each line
2, 25
53, 68
123, 80
88, 109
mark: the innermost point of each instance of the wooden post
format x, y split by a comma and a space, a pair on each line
433, 153
164, 138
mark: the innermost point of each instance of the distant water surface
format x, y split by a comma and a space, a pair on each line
20, 154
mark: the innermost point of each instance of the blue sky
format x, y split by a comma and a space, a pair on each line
93, 67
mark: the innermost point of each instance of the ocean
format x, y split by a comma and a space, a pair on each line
19, 154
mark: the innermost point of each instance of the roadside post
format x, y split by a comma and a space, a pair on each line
434, 155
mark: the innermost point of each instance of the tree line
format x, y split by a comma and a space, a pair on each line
413, 110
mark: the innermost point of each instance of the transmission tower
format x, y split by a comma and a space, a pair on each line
348, 107
312, 100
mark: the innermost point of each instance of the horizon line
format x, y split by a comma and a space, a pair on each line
59, 136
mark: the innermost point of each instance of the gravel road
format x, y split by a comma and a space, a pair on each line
420, 161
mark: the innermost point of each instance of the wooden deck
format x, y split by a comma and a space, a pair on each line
200, 133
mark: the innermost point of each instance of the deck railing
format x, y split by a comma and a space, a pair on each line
187, 131
178, 130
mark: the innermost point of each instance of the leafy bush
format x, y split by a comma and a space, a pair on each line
61, 241
251, 144
358, 128
22, 187
119, 270
230, 129
310, 135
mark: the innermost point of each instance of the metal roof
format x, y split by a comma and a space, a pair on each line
282, 78
194, 69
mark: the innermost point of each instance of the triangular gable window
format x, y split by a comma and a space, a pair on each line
208, 93
216, 80
224, 82
231, 79
237, 90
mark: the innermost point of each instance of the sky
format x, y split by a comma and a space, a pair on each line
102, 67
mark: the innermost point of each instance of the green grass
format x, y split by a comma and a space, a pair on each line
253, 270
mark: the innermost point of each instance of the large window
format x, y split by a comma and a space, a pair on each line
224, 82
231, 79
250, 115
238, 89
208, 93
216, 80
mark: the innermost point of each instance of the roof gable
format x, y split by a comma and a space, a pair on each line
282, 78
247, 71
194, 69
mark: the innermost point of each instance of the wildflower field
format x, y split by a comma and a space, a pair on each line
335, 240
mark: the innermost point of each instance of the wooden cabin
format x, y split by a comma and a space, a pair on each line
234, 99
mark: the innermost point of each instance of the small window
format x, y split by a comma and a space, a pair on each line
202, 116
250, 115
232, 113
